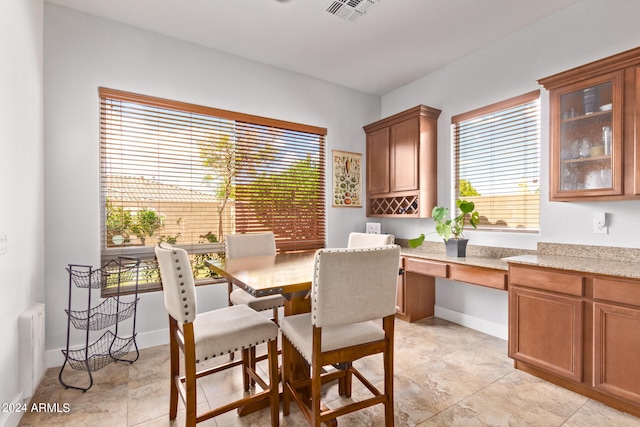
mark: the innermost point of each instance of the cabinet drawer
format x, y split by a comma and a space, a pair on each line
621, 291
429, 268
563, 283
479, 276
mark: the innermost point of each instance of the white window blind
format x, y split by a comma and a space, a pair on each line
497, 162
190, 175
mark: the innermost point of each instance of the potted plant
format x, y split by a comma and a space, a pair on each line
450, 229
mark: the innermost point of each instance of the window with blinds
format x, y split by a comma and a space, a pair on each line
189, 175
497, 162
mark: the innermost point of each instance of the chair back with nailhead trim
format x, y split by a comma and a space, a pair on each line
177, 282
366, 240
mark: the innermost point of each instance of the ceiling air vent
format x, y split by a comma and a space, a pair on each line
349, 10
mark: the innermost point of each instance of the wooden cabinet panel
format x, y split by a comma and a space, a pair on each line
478, 276
405, 142
616, 349
613, 290
430, 268
378, 161
565, 283
419, 297
546, 330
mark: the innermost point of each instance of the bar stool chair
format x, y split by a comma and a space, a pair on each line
203, 336
366, 240
351, 289
361, 240
252, 245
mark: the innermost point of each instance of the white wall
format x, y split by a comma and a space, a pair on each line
21, 181
585, 32
83, 52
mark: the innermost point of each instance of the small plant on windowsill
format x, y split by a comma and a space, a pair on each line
451, 229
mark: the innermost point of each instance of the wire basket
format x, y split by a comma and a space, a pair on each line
108, 313
113, 273
105, 350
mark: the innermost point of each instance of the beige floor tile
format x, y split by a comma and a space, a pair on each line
594, 413
445, 375
523, 400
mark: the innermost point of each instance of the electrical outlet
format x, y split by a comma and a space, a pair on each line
600, 223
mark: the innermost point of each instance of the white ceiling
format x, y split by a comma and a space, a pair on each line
396, 42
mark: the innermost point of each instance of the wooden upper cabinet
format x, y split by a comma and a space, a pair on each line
402, 164
594, 112
378, 160
405, 145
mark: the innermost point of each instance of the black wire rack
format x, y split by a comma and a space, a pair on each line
110, 346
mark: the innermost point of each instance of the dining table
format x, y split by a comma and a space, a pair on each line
289, 275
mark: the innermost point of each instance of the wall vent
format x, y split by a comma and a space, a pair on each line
349, 10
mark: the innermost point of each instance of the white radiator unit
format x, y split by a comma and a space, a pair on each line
32, 349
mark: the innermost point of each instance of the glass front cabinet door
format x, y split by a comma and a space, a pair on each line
586, 138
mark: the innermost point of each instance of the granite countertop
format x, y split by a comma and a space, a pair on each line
476, 261
582, 265
477, 256
605, 260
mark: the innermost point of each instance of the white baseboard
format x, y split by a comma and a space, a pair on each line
55, 358
485, 326
11, 418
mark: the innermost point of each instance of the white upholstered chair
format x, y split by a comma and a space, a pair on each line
203, 336
366, 240
362, 240
351, 289
252, 245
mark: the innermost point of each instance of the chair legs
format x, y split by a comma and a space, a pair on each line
305, 387
274, 381
175, 369
185, 386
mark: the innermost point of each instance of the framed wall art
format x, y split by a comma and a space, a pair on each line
347, 179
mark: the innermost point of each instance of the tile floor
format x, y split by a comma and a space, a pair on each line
446, 375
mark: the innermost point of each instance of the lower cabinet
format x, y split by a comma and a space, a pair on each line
545, 329
616, 338
616, 370
578, 327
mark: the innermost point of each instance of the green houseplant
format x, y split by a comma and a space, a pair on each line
450, 229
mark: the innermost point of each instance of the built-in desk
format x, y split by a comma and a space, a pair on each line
484, 266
